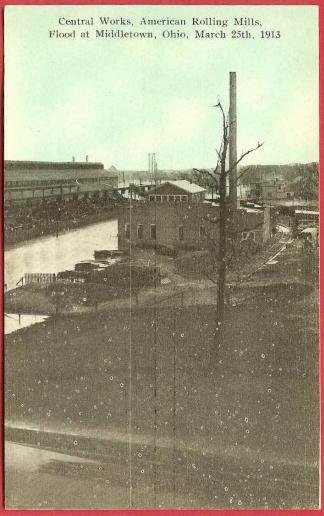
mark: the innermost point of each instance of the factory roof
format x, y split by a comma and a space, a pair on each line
47, 170
46, 165
187, 186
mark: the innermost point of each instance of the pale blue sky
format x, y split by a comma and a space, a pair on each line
118, 100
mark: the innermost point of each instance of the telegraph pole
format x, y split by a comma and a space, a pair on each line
233, 143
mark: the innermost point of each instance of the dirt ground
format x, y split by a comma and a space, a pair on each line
175, 289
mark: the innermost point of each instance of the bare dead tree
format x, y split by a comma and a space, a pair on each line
225, 216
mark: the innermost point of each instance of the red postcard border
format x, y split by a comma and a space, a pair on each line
168, 512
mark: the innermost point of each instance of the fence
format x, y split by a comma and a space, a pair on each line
186, 297
37, 277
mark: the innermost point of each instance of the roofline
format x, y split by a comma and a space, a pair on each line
170, 182
10, 164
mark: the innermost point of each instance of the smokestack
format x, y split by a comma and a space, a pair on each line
233, 143
152, 165
155, 170
73, 159
87, 158
149, 163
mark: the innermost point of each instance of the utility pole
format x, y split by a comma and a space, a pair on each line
233, 143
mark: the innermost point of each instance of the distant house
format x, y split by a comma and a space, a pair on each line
307, 217
275, 189
177, 191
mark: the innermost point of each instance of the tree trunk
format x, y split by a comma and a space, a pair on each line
222, 243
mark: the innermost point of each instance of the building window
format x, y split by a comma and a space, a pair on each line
184, 198
181, 233
153, 231
127, 231
140, 231
171, 198
151, 197
202, 231
158, 198
248, 235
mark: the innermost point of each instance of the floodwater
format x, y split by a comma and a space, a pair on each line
52, 254
13, 322
41, 479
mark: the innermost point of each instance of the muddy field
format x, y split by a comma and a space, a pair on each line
197, 409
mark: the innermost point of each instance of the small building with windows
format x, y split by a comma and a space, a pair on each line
271, 190
176, 192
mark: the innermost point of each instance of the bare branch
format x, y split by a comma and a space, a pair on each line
207, 172
219, 155
243, 155
218, 159
219, 105
224, 121
242, 174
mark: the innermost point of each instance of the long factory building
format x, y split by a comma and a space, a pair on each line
32, 181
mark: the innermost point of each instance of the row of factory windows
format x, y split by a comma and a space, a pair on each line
37, 182
43, 183
140, 232
169, 198
245, 235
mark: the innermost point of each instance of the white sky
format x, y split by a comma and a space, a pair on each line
118, 100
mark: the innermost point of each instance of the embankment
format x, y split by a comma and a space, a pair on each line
14, 236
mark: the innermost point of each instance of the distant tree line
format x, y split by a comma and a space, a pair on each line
301, 178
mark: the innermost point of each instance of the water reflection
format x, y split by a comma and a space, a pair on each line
13, 322
52, 254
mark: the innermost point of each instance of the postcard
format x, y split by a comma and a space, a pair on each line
161, 255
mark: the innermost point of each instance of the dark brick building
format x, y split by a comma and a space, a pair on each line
184, 225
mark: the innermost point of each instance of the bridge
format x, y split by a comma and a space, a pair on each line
33, 192
133, 189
